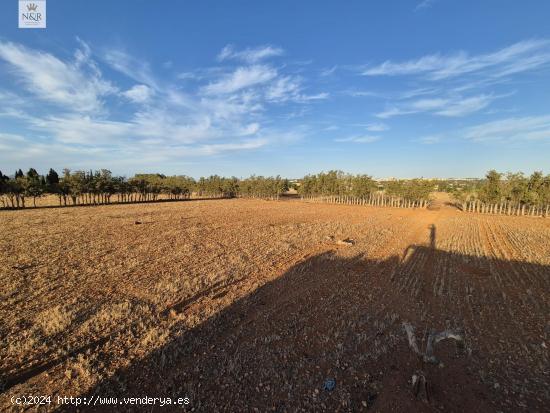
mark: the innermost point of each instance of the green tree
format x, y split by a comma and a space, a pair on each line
4, 189
491, 191
34, 185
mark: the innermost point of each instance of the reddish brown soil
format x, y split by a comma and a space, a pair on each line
251, 305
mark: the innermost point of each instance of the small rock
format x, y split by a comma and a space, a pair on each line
371, 398
347, 242
330, 384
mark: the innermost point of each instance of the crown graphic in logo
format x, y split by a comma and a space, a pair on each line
32, 7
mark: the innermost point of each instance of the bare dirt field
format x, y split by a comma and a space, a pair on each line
248, 305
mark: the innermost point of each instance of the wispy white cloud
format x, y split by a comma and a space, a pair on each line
359, 139
393, 95
250, 55
454, 106
466, 83
283, 89
258, 82
138, 93
516, 58
9, 141
212, 149
511, 129
82, 130
155, 120
134, 68
466, 106
424, 4
409, 94
187, 76
377, 127
506, 130
173, 127
287, 88
250, 129
72, 84
430, 140
394, 111
365, 93
329, 71
236, 107
241, 78
423, 105
308, 98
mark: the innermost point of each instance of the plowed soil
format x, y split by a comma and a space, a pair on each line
248, 305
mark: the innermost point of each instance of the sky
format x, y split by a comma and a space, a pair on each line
427, 88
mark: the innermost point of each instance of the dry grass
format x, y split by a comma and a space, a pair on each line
85, 293
54, 320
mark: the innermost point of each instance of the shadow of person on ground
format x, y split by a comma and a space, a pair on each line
340, 318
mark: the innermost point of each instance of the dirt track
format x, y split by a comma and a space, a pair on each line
242, 304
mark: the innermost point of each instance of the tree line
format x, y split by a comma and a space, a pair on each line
511, 193
340, 187
102, 187
337, 183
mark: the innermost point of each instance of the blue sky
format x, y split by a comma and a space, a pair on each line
389, 88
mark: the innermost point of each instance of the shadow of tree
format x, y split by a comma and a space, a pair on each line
113, 202
331, 317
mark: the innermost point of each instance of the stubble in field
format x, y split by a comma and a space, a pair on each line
240, 304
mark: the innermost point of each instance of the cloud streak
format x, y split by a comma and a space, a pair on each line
425, 4
516, 58
75, 85
250, 55
241, 78
359, 139
506, 130
224, 110
131, 67
456, 106
515, 129
138, 93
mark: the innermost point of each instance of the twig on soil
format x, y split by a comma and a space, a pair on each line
433, 339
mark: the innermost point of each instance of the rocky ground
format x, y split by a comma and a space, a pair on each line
245, 305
